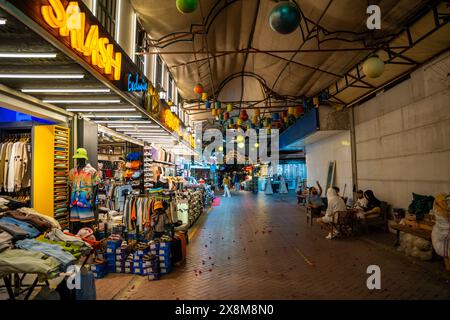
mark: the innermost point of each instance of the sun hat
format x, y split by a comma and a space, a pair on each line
158, 205
81, 153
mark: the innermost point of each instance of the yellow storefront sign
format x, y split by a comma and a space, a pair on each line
71, 22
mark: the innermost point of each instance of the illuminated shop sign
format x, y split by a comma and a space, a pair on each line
71, 22
134, 85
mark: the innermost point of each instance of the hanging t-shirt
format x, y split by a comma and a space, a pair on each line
82, 185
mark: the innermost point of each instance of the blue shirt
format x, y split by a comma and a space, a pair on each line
315, 200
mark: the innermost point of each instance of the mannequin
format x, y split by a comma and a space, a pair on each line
283, 188
83, 182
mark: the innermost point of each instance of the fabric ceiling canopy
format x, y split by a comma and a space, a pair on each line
329, 40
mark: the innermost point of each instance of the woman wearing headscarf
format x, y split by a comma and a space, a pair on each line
335, 204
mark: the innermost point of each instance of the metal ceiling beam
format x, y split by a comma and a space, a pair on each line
259, 51
439, 22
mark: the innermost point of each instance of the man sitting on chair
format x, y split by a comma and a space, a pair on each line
335, 204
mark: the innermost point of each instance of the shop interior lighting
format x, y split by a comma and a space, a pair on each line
40, 76
101, 110
131, 130
113, 116
156, 135
2, 21
30, 55
132, 127
83, 101
66, 90
111, 123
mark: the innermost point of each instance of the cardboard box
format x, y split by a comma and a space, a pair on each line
153, 276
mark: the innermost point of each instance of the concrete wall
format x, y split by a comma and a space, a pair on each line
320, 153
403, 137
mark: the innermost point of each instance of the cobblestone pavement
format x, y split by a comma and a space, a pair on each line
259, 247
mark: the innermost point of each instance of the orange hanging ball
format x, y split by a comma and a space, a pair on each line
198, 89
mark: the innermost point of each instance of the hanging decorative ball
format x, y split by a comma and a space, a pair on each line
239, 121
198, 89
208, 105
226, 116
291, 110
257, 113
373, 67
217, 104
275, 116
243, 115
213, 112
316, 101
187, 6
229, 107
204, 96
284, 114
284, 18
299, 111
255, 120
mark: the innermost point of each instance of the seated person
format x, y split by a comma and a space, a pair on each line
373, 208
361, 201
313, 200
335, 204
301, 195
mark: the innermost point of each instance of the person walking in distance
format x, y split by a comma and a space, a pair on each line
226, 186
237, 182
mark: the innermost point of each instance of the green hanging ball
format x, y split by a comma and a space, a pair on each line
187, 6
284, 17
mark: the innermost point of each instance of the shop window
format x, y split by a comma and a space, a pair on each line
107, 15
141, 43
170, 87
159, 73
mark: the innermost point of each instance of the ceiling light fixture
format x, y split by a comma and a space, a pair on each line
159, 135
101, 110
66, 90
111, 123
112, 116
40, 76
82, 101
12, 55
141, 130
133, 127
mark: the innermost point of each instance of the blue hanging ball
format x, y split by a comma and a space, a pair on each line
284, 18
208, 104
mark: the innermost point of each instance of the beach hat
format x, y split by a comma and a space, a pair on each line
81, 154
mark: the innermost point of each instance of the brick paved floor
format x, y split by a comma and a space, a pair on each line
259, 247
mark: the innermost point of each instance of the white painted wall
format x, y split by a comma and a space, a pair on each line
403, 137
320, 153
